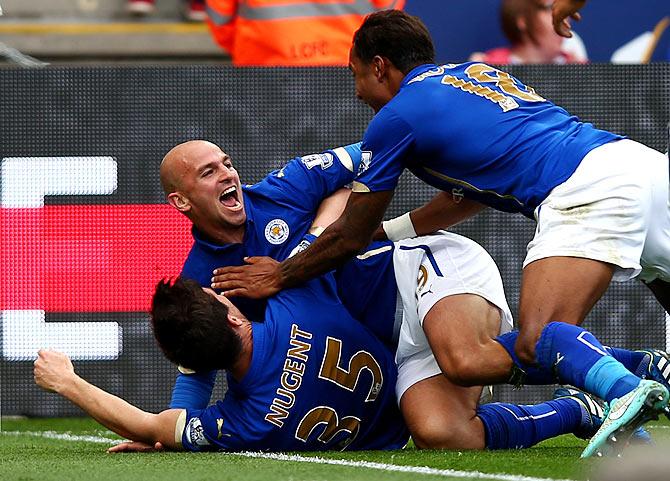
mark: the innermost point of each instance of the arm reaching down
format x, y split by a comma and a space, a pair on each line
54, 372
343, 239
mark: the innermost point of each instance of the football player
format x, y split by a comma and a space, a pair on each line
309, 377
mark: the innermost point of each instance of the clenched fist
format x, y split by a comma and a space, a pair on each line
53, 370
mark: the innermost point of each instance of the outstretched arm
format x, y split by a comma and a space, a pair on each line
562, 11
350, 233
441, 212
330, 209
54, 372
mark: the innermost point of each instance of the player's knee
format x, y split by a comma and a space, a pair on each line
463, 368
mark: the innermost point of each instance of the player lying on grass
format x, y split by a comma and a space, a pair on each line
231, 223
309, 377
299, 380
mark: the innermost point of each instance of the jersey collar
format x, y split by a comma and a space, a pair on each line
259, 336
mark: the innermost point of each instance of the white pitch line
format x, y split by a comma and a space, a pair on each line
64, 436
310, 459
393, 467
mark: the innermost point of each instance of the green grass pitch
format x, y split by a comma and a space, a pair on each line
74, 449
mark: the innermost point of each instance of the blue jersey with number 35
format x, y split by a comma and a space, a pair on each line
477, 132
317, 380
280, 210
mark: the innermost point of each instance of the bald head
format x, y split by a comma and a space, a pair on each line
200, 181
182, 158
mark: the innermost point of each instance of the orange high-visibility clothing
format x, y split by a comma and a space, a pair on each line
290, 32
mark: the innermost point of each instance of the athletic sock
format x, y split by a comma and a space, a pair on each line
579, 359
630, 359
532, 375
514, 426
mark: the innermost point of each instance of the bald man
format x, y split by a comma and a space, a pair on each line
231, 222
200, 181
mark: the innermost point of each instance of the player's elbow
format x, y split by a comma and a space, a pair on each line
163, 429
358, 244
153, 429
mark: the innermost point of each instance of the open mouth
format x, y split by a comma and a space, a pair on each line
229, 198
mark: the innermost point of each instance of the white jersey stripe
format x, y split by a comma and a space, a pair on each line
344, 158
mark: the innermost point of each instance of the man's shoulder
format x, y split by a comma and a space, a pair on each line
394, 113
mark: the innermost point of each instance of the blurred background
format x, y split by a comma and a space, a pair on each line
98, 30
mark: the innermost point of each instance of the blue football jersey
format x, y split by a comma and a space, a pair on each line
477, 132
367, 287
280, 210
317, 380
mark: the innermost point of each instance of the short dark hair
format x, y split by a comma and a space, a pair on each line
394, 34
191, 326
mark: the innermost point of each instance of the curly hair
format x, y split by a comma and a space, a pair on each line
394, 34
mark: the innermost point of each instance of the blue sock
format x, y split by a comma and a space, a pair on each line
514, 426
579, 359
630, 359
533, 375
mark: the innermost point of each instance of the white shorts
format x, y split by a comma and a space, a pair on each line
428, 269
615, 208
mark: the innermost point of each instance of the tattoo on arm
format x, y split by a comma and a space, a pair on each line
342, 240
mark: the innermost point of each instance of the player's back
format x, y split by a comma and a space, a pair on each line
479, 132
318, 380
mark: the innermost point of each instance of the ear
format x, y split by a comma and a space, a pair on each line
522, 24
234, 321
179, 201
380, 67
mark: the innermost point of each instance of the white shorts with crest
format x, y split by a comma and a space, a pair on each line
428, 269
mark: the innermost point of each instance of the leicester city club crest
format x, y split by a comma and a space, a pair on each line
276, 232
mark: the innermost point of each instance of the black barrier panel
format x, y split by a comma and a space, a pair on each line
121, 120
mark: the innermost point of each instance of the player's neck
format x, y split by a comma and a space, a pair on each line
241, 366
226, 235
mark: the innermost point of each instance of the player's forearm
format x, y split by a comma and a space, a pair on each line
330, 209
344, 238
329, 251
441, 212
111, 411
